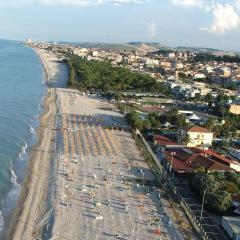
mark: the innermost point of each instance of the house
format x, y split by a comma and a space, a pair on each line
196, 137
189, 159
194, 119
232, 226
234, 109
182, 159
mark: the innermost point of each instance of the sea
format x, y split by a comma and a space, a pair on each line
22, 90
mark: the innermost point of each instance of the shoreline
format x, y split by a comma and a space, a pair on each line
25, 220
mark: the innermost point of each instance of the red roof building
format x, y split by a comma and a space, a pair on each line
186, 159
198, 129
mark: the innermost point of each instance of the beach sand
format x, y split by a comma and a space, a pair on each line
100, 174
26, 220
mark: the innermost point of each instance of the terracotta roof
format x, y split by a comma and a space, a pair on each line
178, 165
187, 159
219, 167
219, 158
198, 129
164, 141
187, 162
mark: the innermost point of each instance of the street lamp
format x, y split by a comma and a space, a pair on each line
172, 154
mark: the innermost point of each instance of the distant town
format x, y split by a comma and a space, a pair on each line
187, 126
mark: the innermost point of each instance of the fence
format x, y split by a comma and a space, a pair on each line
194, 221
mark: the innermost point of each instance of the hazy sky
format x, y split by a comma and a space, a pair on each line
204, 23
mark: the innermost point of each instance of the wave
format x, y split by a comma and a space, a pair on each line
11, 199
2, 223
32, 130
14, 192
43, 82
34, 117
22, 151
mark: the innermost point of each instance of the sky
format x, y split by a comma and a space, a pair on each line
195, 23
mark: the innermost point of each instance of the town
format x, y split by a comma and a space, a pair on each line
184, 117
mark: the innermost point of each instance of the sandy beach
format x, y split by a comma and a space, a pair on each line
26, 221
103, 188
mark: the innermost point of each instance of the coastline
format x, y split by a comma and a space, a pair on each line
25, 221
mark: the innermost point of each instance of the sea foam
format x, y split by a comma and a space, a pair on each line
23, 151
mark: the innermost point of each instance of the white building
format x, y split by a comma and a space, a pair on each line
199, 75
194, 119
95, 53
29, 40
232, 226
151, 62
172, 55
197, 137
81, 52
208, 69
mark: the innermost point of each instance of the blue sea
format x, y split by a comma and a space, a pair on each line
22, 89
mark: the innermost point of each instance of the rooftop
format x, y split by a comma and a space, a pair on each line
198, 129
234, 223
164, 141
186, 159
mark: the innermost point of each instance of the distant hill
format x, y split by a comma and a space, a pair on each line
135, 46
148, 47
196, 49
212, 51
110, 46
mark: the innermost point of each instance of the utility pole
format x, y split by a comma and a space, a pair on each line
172, 171
204, 193
172, 154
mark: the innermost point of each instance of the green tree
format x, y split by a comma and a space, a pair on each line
197, 97
220, 201
230, 187
210, 124
233, 177
209, 99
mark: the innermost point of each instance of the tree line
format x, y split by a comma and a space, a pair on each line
154, 120
203, 57
102, 76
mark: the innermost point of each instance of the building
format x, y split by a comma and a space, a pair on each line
199, 75
151, 62
194, 119
196, 137
95, 54
182, 159
29, 40
232, 226
166, 64
223, 71
81, 52
235, 109
234, 153
172, 55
